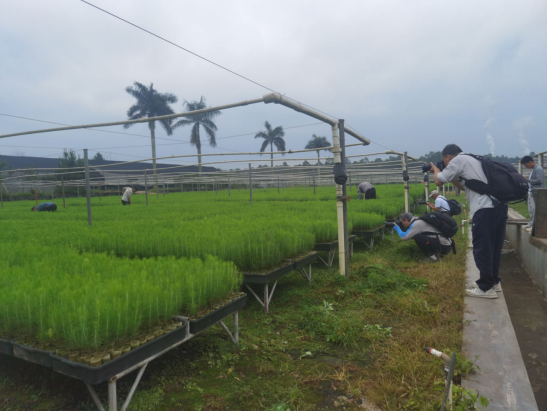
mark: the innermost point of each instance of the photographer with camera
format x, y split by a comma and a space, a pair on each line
440, 203
429, 239
488, 217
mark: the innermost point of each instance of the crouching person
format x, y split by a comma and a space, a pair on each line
429, 239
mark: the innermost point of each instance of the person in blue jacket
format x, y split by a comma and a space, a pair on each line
45, 207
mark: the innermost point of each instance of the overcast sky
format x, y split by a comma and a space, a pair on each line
408, 75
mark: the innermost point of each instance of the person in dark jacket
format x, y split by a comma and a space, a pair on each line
45, 207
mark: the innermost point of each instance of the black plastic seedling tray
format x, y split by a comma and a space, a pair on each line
32, 354
369, 233
6, 347
332, 246
215, 316
96, 375
268, 277
305, 261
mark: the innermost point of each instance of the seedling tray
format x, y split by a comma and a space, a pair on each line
332, 246
6, 347
214, 317
305, 261
370, 233
96, 375
32, 354
268, 277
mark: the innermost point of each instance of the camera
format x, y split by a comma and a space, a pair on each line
392, 223
427, 167
423, 202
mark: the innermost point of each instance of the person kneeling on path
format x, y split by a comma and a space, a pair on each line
126, 198
440, 203
368, 191
428, 238
45, 207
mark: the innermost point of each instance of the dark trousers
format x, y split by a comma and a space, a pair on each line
369, 194
431, 245
125, 202
488, 231
52, 207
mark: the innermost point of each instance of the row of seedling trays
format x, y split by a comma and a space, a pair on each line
101, 368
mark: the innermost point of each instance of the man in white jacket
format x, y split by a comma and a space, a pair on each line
126, 198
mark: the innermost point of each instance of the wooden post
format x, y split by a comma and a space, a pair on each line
250, 187
1, 195
88, 190
229, 186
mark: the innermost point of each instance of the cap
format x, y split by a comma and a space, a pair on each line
434, 192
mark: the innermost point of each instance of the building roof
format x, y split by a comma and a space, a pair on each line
22, 162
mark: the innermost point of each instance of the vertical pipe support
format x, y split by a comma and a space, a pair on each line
146, 189
1, 195
405, 180
250, 186
426, 189
63, 190
342, 210
228, 183
88, 190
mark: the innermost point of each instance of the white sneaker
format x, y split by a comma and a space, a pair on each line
431, 259
473, 284
476, 292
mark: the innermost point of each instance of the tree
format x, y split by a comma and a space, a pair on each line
319, 143
197, 120
284, 164
273, 137
98, 157
151, 103
68, 162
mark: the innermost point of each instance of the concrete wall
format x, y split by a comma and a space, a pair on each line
531, 252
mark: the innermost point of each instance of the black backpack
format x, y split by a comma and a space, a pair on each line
455, 208
443, 222
504, 182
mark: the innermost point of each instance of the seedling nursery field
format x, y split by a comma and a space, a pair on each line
93, 293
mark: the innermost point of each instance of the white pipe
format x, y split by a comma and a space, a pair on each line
141, 120
277, 98
340, 215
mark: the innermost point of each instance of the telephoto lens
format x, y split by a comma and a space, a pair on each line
389, 224
426, 168
423, 202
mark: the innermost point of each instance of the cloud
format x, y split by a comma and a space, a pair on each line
406, 76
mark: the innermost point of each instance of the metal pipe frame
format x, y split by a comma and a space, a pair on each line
112, 394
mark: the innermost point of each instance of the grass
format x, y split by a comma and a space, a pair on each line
521, 208
334, 341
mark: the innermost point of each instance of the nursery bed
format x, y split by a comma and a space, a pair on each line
96, 375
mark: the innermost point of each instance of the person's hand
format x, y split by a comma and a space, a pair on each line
429, 204
433, 168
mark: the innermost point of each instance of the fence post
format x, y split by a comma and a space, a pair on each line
314, 181
78, 189
1, 195
229, 186
146, 188
100, 192
88, 190
215, 183
250, 186
164, 189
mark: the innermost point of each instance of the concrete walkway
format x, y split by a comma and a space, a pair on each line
489, 335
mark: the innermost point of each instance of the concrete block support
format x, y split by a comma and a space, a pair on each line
531, 250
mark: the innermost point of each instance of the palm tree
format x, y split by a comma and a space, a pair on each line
151, 103
272, 137
197, 120
319, 143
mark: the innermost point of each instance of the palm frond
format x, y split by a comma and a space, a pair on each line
264, 145
211, 134
261, 134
